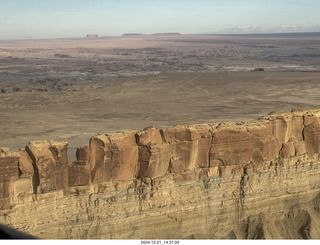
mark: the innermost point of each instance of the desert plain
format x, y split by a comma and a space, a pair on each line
72, 89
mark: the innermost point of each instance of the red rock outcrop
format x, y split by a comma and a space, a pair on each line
8, 175
24, 185
189, 146
154, 157
50, 163
79, 171
113, 157
255, 179
311, 132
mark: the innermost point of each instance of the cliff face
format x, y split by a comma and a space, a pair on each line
249, 180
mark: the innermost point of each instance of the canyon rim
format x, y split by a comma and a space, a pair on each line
249, 180
207, 178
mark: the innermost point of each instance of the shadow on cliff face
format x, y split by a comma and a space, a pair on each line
257, 226
300, 222
296, 224
8, 233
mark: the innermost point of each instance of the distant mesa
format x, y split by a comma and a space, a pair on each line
166, 34
132, 34
153, 34
92, 36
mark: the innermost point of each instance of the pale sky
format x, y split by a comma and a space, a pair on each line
20, 19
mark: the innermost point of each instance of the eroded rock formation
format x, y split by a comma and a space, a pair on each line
50, 164
9, 173
113, 157
79, 171
255, 179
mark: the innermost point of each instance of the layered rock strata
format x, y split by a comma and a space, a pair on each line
249, 180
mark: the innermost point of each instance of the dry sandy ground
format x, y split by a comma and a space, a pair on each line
73, 89
83, 110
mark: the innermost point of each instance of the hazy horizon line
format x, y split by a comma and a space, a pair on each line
138, 34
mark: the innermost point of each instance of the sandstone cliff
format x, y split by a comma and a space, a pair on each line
247, 180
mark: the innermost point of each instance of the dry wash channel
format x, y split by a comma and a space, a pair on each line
250, 180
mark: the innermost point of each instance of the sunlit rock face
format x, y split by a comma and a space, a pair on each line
50, 162
248, 180
79, 171
113, 157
